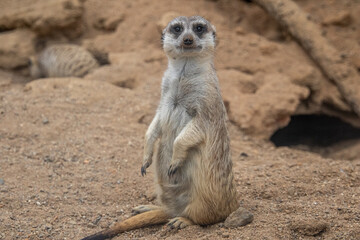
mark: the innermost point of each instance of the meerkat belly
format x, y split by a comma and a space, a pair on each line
174, 117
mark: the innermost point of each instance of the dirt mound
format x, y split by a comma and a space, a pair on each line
44, 17
71, 148
16, 48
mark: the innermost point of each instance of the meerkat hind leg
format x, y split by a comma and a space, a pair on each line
143, 208
179, 223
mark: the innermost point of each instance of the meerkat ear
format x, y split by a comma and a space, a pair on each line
213, 27
214, 34
162, 36
31, 61
214, 30
35, 71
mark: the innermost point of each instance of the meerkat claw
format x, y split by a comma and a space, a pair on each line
172, 170
179, 223
143, 171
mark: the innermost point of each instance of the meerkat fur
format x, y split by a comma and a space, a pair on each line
62, 60
193, 167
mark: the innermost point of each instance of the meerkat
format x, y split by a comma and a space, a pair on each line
63, 60
193, 167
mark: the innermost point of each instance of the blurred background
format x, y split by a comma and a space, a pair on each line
71, 147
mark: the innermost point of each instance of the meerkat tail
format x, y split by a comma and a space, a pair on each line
145, 219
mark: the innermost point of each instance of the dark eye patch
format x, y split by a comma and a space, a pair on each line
176, 29
200, 29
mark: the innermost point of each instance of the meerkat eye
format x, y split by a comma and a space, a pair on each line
177, 28
199, 28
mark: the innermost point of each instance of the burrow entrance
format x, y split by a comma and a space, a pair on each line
316, 133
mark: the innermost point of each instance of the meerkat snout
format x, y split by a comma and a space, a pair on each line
188, 41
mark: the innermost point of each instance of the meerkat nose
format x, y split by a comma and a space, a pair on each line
188, 41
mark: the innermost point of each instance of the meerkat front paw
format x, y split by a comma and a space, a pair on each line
144, 167
172, 169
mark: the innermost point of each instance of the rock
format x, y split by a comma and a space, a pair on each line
309, 227
225, 235
8, 77
239, 30
105, 17
260, 105
2, 182
100, 54
48, 158
136, 58
165, 19
97, 220
16, 47
123, 71
126, 59
258, 101
342, 18
77, 86
356, 61
109, 23
244, 154
42, 16
267, 48
240, 217
48, 227
124, 77
45, 120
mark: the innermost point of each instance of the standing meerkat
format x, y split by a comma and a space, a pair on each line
193, 168
63, 60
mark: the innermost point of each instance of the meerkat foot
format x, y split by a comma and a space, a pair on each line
179, 223
143, 208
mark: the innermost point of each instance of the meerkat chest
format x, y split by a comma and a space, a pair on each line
178, 104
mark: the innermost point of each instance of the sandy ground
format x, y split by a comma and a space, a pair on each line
71, 149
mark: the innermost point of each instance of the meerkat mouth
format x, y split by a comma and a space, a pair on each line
190, 49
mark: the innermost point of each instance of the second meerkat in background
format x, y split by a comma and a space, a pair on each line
193, 167
62, 60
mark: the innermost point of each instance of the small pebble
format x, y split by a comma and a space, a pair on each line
244, 154
48, 227
45, 120
2, 182
225, 235
48, 159
240, 217
309, 227
97, 220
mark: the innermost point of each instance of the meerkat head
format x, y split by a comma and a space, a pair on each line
35, 71
189, 37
